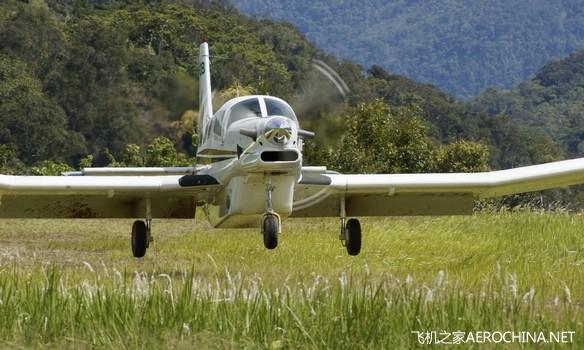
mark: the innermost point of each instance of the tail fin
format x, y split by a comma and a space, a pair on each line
205, 93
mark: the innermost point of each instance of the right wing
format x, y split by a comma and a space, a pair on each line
319, 194
103, 196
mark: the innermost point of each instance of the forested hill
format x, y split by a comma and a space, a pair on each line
81, 78
551, 103
88, 83
461, 46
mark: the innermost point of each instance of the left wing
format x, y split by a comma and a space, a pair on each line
102, 196
424, 194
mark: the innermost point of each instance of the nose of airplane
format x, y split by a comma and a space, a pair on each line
278, 130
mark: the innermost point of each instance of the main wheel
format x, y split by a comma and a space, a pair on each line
353, 242
139, 238
270, 231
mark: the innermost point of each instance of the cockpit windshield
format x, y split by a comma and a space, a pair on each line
276, 107
245, 109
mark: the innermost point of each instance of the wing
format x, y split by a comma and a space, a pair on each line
424, 194
103, 196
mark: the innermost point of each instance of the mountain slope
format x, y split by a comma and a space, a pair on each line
101, 77
551, 102
461, 46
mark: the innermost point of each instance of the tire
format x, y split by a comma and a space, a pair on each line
353, 242
139, 238
270, 231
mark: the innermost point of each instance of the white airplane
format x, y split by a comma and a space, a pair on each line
250, 172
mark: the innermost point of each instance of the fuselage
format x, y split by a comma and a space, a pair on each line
250, 142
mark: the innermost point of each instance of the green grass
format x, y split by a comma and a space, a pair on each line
74, 284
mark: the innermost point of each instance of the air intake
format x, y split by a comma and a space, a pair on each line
279, 156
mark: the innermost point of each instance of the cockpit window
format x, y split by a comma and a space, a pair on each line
276, 107
245, 109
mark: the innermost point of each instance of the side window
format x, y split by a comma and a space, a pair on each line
217, 123
216, 127
208, 131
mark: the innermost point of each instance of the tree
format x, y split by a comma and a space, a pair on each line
161, 152
50, 168
86, 162
133, 156
30, 123
9, 162
384, 139
463, 156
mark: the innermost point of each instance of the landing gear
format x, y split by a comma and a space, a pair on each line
270, 229
270, 220
350, 235
141, 233
139, 238
353, 237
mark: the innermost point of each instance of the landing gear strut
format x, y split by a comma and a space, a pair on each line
141, 233
270, 220
350, 235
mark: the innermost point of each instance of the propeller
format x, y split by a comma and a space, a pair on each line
318, 102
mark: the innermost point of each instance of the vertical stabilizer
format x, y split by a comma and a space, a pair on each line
205, 93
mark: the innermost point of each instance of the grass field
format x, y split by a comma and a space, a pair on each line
74, 284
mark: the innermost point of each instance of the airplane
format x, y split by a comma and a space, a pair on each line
249, 172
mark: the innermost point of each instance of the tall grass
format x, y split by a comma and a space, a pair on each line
146, 310
220, 289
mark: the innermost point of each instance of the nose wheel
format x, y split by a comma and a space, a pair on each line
270, 220
270, 230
